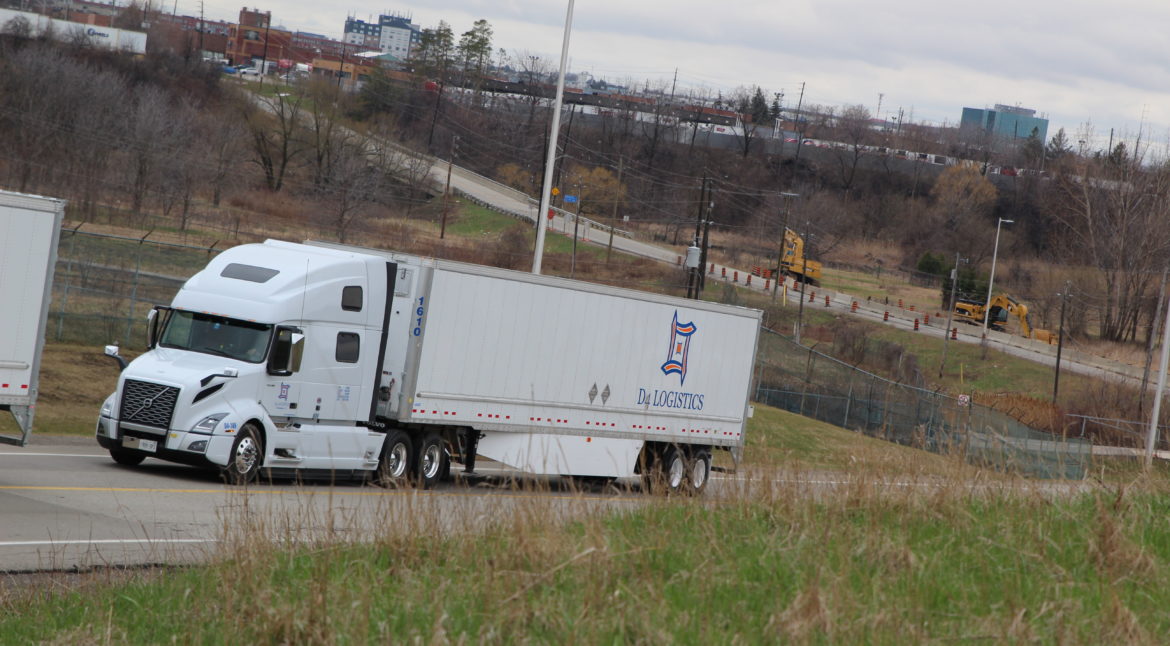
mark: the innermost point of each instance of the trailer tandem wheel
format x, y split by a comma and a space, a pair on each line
428, 464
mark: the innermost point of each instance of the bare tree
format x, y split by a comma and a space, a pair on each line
351, 188
36, 104
1114, 218
742, 99
854, 132
273, 126
151, 137
222, 146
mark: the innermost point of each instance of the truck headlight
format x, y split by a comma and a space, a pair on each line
208, 424
108, 407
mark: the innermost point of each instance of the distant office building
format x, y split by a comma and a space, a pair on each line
364, 34
397, 35
392, 34
1005, 121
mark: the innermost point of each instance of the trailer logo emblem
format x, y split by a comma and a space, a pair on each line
680, 345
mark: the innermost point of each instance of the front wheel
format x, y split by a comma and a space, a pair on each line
127, 458
397, 453
246, 457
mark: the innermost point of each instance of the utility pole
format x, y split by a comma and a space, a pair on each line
702, 202
950, 314
1060, 340
447, 191
613, 218
434, 114
202, 25
703, 246
796, 124
264, 54
803, 281
576, 219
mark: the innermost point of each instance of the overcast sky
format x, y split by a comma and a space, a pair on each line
1075, 62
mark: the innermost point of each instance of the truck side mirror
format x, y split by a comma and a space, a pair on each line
112, 352
287, 351
155, 321
151, 329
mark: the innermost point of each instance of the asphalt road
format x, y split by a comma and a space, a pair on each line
65, 505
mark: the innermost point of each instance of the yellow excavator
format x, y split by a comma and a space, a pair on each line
1002, 306
793, 262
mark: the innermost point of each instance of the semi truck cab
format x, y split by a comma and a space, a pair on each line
272, 355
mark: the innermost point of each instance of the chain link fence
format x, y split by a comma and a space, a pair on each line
803, 381
105, 285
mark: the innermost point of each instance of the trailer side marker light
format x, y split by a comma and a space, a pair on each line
588, 439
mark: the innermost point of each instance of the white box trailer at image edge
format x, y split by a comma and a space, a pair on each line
30, 227
299, 358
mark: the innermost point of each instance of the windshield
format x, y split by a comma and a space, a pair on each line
217, 335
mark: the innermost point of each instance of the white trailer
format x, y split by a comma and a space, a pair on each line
282, 357
30, 227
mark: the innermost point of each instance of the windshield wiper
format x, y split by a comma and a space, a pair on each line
215, 351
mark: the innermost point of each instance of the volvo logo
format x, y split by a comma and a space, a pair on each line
145, 405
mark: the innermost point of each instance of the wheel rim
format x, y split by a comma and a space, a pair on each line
396, 460
430, 461
246, 454
699, 473
676, 473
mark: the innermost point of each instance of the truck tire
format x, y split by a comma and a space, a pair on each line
397, 456
246, 457
428, 463
127, 458
698, 471
665, 471
674, 470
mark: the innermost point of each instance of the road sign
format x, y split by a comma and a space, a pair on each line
556, 191
569, 199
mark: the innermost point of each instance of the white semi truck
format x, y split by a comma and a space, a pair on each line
343, 361
30, 227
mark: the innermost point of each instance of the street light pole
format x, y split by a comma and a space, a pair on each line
538, 253
1152, 435
950, 314
991, 280
783, 235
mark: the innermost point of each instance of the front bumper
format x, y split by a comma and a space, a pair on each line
174, 446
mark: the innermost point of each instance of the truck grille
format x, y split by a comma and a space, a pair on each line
148, 404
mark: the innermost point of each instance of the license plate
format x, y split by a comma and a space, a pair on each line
150, 446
